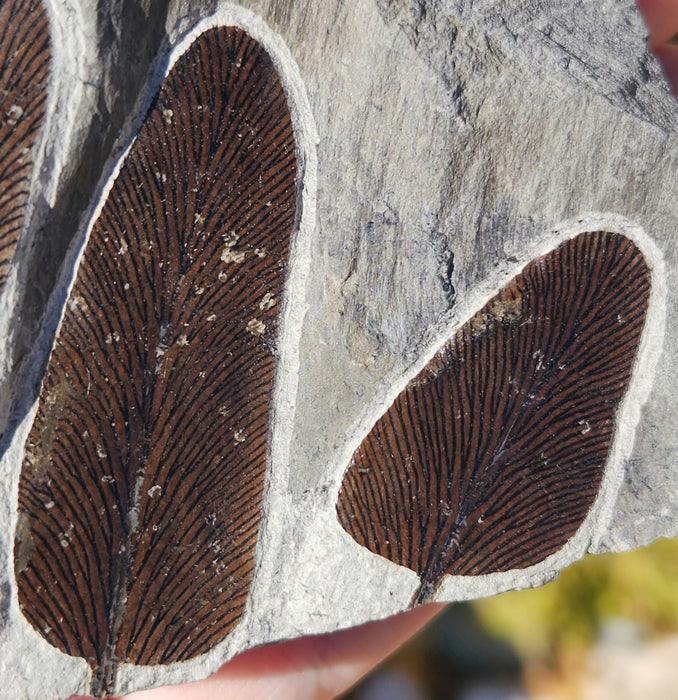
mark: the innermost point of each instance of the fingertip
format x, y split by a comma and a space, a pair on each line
668, 57
302, 669
661, 17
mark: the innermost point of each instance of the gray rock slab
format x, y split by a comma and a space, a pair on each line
434, 132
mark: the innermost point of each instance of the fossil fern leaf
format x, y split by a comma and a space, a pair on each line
141, 489
490, 458
24, 72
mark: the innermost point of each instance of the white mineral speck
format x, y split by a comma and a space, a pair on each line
267, 302
256, 327
154, 491
14, 114
231, 254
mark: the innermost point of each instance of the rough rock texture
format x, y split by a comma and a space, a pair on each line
455, 142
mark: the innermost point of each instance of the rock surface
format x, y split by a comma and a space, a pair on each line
455, 142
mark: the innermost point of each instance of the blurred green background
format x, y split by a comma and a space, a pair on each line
606, 628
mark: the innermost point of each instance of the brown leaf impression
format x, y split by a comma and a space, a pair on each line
141, 489
24, 72
490, 458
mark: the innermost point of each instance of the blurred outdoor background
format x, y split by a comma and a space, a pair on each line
607, 629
